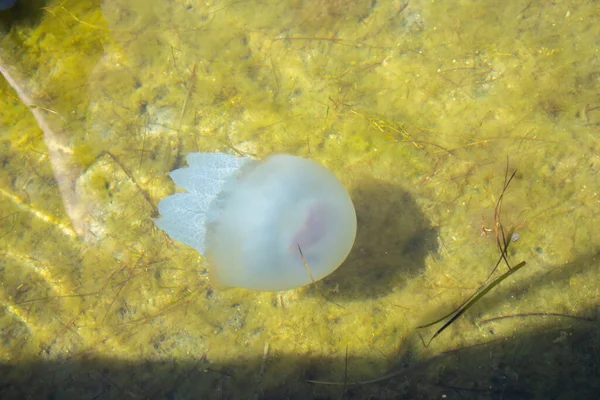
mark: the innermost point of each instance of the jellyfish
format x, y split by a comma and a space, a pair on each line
269, 225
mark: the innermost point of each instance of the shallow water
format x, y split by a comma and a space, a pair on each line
420, 108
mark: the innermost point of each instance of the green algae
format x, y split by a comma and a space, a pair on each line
414, 106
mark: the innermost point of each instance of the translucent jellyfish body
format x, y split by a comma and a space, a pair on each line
265, 225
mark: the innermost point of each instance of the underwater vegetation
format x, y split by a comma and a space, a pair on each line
414, 108
503, 240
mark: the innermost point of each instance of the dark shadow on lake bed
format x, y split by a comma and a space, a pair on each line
560, 362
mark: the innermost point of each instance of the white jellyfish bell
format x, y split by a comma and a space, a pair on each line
267, 225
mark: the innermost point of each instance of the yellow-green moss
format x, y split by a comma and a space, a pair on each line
416, 106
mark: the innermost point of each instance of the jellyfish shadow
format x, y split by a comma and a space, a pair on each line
392, 242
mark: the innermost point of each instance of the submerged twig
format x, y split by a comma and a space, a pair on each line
306, 265
539, 314
345, 375
312, 279
66, 169
463, 308
12, 216
503, 241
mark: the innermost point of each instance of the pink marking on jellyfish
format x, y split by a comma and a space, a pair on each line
313, 229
